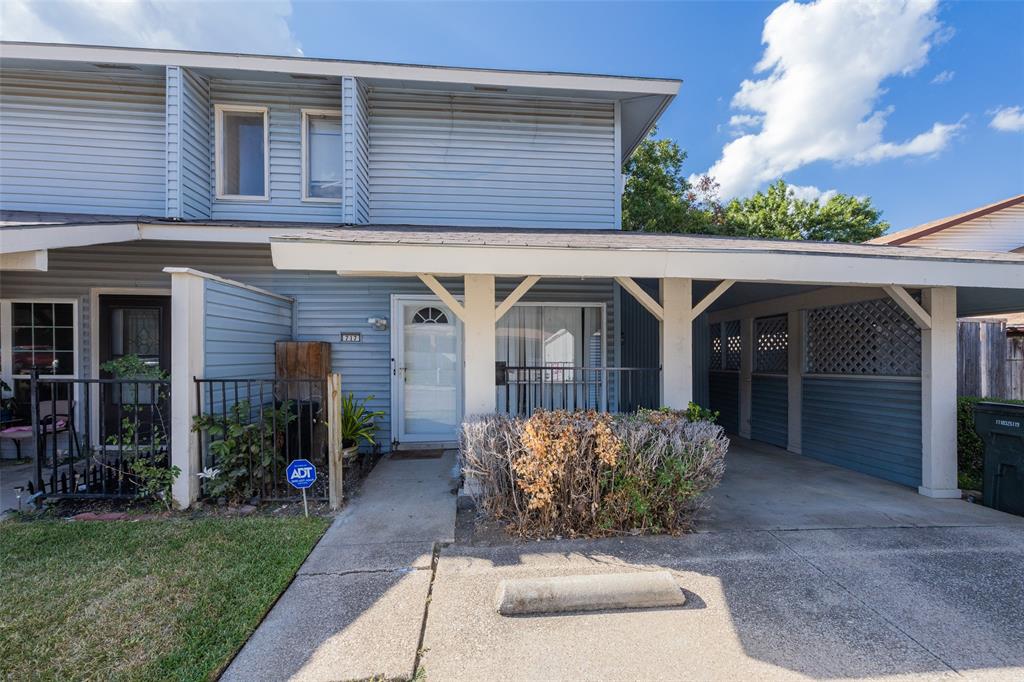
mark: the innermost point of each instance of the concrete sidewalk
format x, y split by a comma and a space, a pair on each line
355, 609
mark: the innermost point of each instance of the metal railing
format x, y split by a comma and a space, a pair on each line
261, 425
522, 390
89, 434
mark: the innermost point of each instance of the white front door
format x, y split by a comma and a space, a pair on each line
426, 344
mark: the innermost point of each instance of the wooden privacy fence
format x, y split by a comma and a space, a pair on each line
990, 363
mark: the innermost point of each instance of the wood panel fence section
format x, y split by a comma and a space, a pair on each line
990, 363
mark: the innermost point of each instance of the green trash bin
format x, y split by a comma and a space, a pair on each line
1001, 427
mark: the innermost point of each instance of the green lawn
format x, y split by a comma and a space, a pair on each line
150, 600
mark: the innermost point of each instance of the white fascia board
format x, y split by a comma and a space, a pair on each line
740, 265
36, 237
231, 282
34, 261
338, 68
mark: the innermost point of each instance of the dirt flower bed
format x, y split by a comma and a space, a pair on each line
576, 474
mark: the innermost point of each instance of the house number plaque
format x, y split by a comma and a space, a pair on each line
351, 337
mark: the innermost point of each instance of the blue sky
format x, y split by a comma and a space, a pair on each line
932, 80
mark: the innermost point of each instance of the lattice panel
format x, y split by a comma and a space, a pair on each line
771, 345
866, 338
733, 345
716, 345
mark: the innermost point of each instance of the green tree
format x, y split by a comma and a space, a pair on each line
657, 196
776, 213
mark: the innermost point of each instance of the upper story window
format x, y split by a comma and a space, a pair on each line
321, 155
242, 151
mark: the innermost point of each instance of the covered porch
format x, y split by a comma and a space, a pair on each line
773, 335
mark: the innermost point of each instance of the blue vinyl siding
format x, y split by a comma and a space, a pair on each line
196, 146
701, 360
356, 133
173, 156
325, 304
868, 425
769, 409
82, 142
285, 102
491, 160
241, 328
724, 397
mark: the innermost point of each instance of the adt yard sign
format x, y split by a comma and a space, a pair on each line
301, 473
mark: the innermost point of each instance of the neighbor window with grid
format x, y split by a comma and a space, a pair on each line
36, 335
321, 155
242, 152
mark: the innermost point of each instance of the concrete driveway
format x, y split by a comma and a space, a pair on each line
799, 569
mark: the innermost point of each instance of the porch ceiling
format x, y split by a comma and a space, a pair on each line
407, 250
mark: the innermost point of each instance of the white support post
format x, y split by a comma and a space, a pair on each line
676, 342
938, 395
187, 361
746, 373
479, 324
795, 384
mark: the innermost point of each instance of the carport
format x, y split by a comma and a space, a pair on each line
846, 353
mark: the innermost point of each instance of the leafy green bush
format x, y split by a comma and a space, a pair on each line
970, 451
244, 448
590, 473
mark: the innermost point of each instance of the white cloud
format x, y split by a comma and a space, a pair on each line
943, 77
1007, 119
822, 72
221, 26
811, 193
745, 121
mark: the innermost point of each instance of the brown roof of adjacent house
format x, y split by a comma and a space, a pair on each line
912, 233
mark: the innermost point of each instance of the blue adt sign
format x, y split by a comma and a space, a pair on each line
301, 473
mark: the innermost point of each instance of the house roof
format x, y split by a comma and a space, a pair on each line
910, 234
573, 239
641, 99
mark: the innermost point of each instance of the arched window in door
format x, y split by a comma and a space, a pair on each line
430, 315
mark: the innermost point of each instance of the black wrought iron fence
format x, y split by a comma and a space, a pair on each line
90, 436
522, 390
250, 429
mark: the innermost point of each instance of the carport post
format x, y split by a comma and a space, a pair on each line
938, 395
677, 342
795, 382
746, 374
479, 326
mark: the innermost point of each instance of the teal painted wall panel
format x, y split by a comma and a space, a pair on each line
868, 425
769, 409
724, 397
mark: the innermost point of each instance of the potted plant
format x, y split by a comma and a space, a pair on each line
358, 425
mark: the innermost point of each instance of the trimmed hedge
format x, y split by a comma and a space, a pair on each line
586, 474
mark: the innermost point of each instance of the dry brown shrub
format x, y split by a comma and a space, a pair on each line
590, 473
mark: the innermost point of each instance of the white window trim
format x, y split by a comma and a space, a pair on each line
7, 337
306, 113
219, 111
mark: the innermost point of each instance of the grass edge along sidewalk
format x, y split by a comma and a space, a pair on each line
172, 599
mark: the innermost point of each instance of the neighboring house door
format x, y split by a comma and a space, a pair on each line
426, 343
132, 325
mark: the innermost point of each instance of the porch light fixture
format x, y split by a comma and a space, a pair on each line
379, 324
